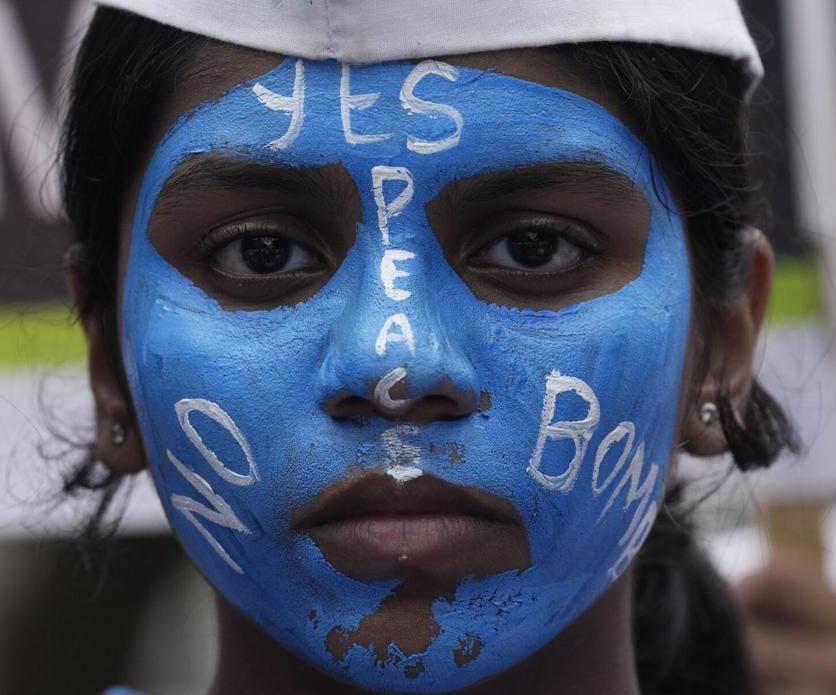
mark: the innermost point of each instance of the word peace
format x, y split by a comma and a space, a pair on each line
396, 328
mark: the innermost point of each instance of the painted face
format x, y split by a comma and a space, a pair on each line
412, 376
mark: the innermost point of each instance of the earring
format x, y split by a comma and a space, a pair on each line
118, 434
709, 414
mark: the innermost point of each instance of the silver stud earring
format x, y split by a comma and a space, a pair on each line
118, 434
709, 414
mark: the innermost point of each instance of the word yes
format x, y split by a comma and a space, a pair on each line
294, 106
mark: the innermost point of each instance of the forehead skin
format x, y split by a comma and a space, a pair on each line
217, 68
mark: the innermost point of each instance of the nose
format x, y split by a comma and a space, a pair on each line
396, 360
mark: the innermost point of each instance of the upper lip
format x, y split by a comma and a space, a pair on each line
375, 493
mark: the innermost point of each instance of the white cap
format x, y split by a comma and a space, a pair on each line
365, 31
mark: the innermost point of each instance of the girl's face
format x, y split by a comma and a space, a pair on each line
405, 344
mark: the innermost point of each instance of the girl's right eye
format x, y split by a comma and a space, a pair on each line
254, 250
262, 255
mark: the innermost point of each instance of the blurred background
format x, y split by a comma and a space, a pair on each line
63, 629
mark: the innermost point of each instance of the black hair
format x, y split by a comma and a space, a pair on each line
689, 109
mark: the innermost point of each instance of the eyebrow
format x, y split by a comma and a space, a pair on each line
202, 172
596, 179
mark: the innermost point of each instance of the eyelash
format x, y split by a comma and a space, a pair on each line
559, 230
492, 261
226, 239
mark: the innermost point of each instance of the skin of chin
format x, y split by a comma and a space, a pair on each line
583, 399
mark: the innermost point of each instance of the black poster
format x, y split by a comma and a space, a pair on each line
36, 45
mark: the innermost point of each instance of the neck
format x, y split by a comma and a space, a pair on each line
592, 655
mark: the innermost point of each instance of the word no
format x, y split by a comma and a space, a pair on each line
219, 512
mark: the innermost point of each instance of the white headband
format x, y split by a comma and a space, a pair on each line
363, 31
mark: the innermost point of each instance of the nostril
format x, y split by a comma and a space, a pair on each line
439, 401
443, 402
437, 407
354, 405
347, 406
447, 405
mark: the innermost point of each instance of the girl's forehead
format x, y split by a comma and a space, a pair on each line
217, 68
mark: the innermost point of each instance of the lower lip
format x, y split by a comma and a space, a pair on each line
387, 545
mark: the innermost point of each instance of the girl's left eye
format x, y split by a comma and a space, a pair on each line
532, 248
263, 254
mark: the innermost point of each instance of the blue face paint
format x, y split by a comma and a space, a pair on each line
583, 399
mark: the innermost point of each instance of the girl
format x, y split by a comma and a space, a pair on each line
408, 309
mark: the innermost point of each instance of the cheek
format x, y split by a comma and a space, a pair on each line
256, 368
586, 409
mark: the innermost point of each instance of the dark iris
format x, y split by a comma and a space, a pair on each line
265, 254
531, 247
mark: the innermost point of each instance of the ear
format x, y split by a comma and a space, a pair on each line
118, 445
734, 335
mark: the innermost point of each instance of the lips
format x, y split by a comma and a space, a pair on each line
374, 527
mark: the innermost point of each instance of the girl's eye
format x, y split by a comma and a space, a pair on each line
263, 255
532, 248
268, 259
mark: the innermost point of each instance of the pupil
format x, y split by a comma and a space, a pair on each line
531, 247
265, 254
